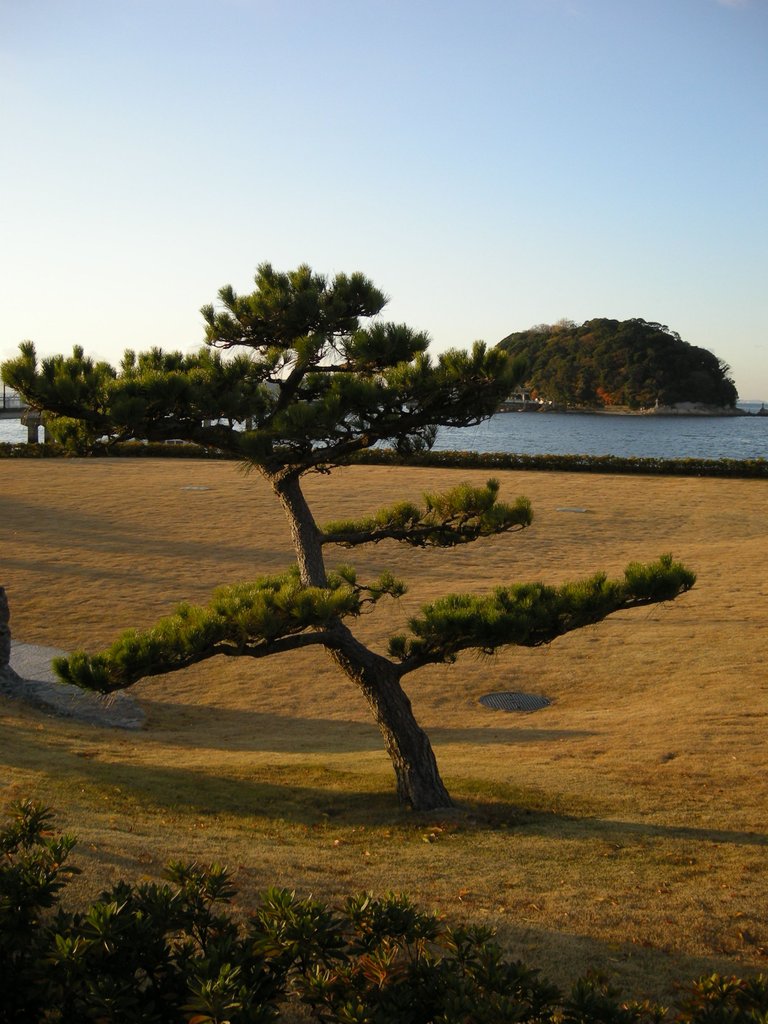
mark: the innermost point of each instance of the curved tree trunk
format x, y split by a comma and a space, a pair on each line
304, 532
418, 779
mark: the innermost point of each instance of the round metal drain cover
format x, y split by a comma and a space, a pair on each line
514, 701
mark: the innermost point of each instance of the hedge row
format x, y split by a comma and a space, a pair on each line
734, 468
573, 463
173, 953
128, 449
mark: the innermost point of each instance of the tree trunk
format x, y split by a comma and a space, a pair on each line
304, 532
418, 780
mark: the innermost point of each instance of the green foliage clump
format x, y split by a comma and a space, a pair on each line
456, 516
606, 362
400, 516
147, 953
172, 953
532, 614
315, 383
33, 870
657, 581
243, 619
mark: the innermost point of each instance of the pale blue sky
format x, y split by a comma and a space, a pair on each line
490, 164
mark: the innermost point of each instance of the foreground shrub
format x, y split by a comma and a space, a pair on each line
172, 953
149, 952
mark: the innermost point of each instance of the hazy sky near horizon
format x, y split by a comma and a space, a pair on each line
490, 164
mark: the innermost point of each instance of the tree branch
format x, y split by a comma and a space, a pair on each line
66, 669
271, 615
458, 516
531, 614
443, 535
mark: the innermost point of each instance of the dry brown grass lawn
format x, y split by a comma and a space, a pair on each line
623, 826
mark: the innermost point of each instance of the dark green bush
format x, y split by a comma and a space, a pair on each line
145, 953
166, 953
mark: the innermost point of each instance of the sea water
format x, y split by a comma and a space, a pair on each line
551, 433
658, 437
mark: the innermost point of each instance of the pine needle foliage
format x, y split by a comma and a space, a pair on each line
313, 385
532, 614
457, 516
248, 619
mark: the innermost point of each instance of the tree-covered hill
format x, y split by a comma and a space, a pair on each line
619, 362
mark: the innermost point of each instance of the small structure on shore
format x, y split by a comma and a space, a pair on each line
32, 419
522, 401
13, 407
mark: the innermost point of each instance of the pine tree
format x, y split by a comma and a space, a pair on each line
293, 362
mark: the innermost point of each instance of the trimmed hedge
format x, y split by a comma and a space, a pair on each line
171, 953
735, 468
572, 463
126, 449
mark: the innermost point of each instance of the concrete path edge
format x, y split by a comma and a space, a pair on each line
30, 678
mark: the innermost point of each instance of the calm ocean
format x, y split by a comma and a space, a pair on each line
657, 437
660, 437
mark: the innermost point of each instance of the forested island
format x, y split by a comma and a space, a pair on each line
634, 364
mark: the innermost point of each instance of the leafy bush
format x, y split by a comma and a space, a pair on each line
171, 953
145, 953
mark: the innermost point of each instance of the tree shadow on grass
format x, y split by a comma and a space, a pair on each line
616, 832
639, 970
234, 729
71, 570
310, 794
97, 533
300, 795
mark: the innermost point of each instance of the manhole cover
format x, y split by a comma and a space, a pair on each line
514, 701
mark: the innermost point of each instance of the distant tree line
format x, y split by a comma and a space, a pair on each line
630, 363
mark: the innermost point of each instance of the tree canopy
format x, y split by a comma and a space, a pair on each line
619, 362
310, 383
312, 387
